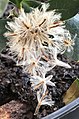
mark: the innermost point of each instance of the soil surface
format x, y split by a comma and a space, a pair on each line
15, 85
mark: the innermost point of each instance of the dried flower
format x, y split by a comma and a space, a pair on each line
36, 38
30, 30
32, 63
38, 81
67, 42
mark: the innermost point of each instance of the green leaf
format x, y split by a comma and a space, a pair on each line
16, 2
72, 93
32, 3
29, 4
68, 8
3, 5
73, 26
2, 31
26, 7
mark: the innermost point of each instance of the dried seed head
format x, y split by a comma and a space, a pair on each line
36, 38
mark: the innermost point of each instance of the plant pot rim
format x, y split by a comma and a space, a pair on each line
64, 110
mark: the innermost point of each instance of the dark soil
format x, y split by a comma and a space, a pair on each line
15, 85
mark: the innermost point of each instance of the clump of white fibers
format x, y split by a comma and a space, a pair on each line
37, 38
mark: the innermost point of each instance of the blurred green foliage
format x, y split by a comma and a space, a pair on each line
68, 8
16, 2
3, 5
2, 30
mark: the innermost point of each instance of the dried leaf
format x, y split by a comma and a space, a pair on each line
72, 93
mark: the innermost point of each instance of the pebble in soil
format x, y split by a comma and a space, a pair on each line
14, 84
